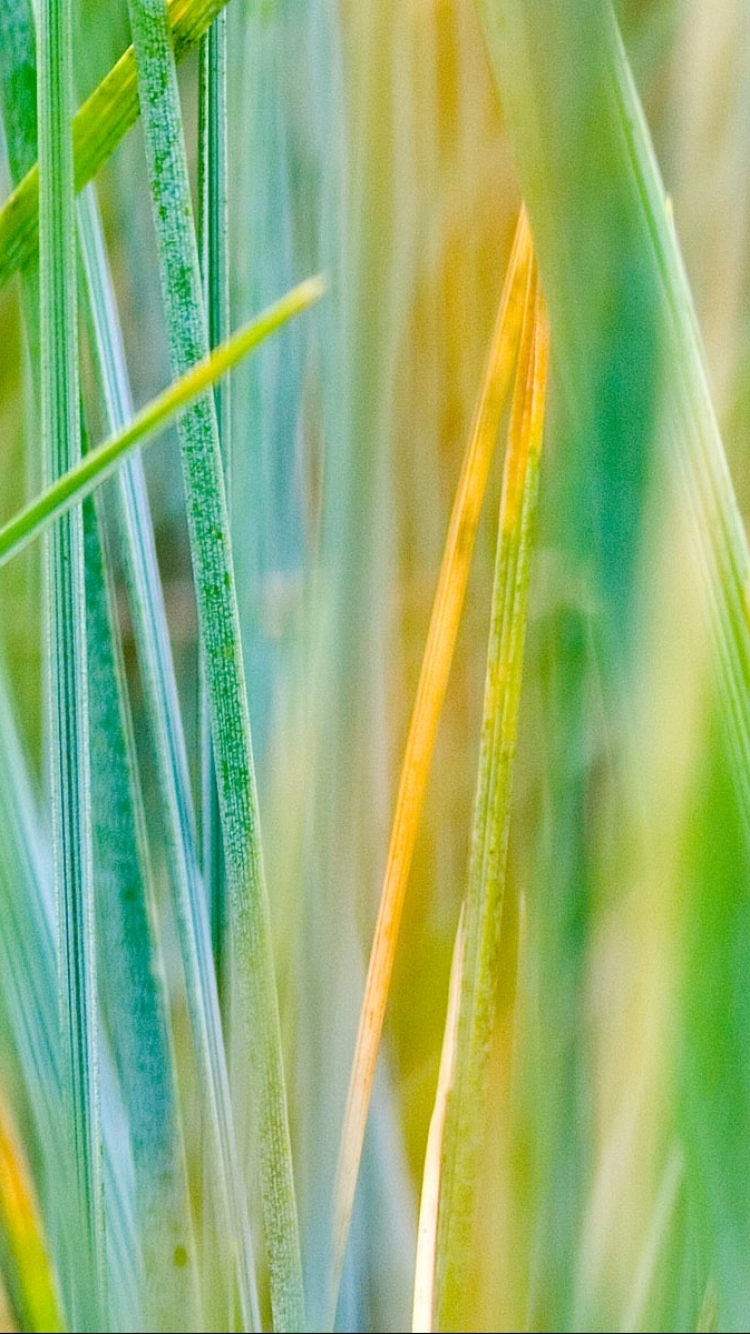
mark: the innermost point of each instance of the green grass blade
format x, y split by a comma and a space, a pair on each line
98, 127
132, 988
218, 617
489, 839
214, 248
18, 80
627, 347
520, 46
149, 618
30, 1005
100, 462
67, 678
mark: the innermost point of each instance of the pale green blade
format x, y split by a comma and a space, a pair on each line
67, 685
152, 635
214, 249
132, 990
218, 618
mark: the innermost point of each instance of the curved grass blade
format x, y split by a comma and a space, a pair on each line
99, 463
433, 681
214, 248
218, 619
66, 669
27, 1268
98, 127
489, 841
424, 1270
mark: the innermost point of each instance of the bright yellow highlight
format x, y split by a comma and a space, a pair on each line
19, 1219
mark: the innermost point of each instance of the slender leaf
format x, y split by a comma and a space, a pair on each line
214, 237
420, 745
67, 678
98, 127
489, 839
100, 462
625, 330
221, 646
132, 981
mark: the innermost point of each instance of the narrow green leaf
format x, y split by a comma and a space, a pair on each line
66, 669
131, 985
28, 999
98, 127
154, 651
218, 617
101, 462
213, 231
491, 822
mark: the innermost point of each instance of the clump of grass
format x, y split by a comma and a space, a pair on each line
276, 612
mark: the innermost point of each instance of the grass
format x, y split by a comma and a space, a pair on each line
375, 745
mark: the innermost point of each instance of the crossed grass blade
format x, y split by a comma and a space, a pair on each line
101, 461
98, 127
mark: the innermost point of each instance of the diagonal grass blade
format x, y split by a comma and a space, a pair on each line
489, 838
98, 127
420, 743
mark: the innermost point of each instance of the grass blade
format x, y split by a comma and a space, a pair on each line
213, 231
633, 302
154, 652
23, 1244
98, 127
132, 987
424, 1271
420, 744
491, 822
218, 618
99, 463
67, 678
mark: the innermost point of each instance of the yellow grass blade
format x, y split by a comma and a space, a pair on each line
424, 1271
32, 1282
491, 822
441, 639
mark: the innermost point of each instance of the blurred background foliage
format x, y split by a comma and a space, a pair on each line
367, 139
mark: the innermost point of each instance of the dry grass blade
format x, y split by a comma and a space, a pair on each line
420, 744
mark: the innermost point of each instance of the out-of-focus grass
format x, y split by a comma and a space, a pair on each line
370, 141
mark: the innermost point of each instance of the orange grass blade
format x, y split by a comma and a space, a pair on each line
441, 639
33, 1291
424, 1271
